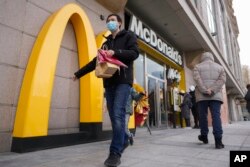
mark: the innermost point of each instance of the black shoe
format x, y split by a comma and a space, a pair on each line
113, 160
131, 140
196, 127
219, 144
203, 138
124, 147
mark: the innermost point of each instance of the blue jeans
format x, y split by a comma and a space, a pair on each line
214, 107
117, 97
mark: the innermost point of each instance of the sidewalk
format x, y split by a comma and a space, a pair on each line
164, 148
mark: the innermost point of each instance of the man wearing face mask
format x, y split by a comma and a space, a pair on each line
122, 45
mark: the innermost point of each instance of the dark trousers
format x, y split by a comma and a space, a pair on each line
195, 115
187, 121
214, 107
151, 118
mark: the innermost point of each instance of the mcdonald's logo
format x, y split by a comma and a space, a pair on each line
33, 108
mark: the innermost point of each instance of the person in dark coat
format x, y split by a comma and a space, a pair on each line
247, 98
121, 44
185, 106
194, 107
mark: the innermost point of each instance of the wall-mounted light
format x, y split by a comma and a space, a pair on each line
102, 17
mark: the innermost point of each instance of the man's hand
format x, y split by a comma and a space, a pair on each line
74, 78
209, 91
110, 53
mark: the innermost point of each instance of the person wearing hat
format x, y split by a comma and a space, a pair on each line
194, 107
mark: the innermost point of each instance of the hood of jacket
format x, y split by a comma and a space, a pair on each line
207, 56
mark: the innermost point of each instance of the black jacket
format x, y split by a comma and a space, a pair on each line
247, 98
126, 50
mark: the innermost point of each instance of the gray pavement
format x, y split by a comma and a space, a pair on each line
164, 148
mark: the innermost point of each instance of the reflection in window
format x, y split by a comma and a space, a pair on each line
155, 69
152, 100
196, 3
210, 15
162, 103
222, 24
139, 70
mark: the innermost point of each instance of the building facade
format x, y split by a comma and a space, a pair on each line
44, 42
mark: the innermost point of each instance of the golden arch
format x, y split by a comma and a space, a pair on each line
34, 102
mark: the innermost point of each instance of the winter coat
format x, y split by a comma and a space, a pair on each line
209, 74
247, 98
126, 50
132, 96
186, 105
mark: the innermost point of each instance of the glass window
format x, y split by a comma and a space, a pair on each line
222, 24
155, 69
163, 102
139, 70
196, 3
211, 18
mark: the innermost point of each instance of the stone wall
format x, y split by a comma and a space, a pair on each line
20, 23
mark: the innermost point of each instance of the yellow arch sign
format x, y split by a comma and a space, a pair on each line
33, 108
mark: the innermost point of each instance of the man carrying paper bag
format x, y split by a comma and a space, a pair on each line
121, 45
